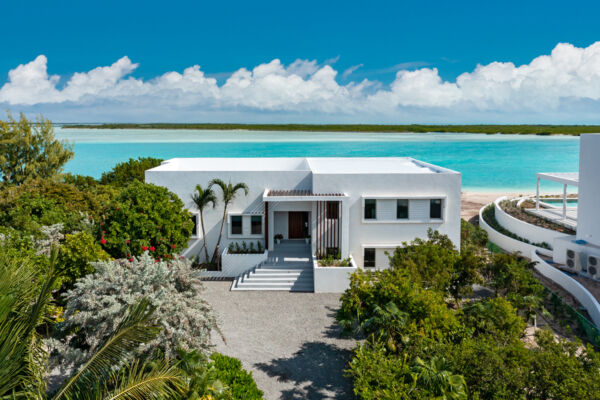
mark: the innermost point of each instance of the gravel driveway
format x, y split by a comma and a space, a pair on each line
290, 341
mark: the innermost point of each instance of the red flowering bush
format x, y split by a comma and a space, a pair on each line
145, 217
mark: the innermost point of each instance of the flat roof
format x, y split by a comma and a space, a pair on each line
318, 165
570, 178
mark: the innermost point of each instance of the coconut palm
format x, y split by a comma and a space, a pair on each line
229, 193
132, 380
25, 295
202, 198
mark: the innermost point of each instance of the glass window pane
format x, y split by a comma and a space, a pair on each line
332, 210
370, 209
369, 258
236, 224
435, 208
195, 221
256, 224
402, 209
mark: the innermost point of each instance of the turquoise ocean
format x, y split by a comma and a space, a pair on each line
487, 162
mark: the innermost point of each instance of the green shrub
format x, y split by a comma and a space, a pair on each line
232, 375
75, 256
129, 171
145, 217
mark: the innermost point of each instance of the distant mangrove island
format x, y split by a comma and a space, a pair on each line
574, 130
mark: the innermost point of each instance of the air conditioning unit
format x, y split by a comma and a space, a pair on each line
573, 260
593, 266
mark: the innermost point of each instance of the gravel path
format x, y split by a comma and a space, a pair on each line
290, 341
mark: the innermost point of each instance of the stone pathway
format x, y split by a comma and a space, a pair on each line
290, 341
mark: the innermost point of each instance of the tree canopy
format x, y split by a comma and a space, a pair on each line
29, 150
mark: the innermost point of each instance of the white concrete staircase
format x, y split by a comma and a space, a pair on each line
288, 268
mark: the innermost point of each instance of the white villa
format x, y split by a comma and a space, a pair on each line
356, 208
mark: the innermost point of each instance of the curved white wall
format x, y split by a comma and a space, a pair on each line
575, 288
533, 233
507, 243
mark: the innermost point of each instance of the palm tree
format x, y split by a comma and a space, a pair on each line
437, 379
202, 198
107, 374
133, 380
229, 192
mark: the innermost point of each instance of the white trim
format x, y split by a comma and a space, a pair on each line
380, 246
403, 221
242, 235
404, 197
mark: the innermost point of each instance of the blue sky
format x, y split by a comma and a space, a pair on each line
359, 40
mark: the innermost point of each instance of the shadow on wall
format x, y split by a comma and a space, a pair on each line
316, 369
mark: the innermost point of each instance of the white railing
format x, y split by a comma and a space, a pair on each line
576, 289
507, 243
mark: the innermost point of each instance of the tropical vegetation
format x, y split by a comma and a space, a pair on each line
490, 129
94, 300
427, 335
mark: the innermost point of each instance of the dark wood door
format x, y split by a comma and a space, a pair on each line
296, 225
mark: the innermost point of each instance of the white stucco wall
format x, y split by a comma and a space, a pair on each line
588, 206
182, 183
234, 265
280, 223
418, 187
393, 186
332, 279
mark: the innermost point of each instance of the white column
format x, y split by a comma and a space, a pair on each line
565, 201
537, 195
345, 250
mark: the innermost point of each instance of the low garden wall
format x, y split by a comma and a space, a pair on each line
234, 265
533, 233
507, 243
576, 289
332, 279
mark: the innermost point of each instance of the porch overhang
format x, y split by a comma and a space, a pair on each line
301, 195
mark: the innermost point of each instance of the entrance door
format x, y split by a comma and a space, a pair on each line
296, 224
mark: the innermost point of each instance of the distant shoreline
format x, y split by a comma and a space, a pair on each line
573, 130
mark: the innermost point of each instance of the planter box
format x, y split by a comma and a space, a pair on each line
234, 265
332, 279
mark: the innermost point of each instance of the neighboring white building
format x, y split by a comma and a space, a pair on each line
355, 206
582, 251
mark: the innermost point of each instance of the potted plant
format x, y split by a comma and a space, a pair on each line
307, 239
278, 237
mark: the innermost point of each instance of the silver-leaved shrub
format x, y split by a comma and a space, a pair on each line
96, 305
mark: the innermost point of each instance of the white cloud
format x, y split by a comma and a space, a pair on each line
566, 79
350, 70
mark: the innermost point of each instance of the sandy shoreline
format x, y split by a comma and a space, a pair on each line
471, 202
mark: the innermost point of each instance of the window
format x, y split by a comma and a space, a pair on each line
333, 210
256, 224
435, 208
402, 209
369, 258
370, 209
236, 224
195, 221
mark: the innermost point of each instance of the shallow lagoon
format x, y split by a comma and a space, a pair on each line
487, 162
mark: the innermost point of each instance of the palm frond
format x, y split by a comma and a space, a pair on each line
203, 197
140, 382
131, 332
